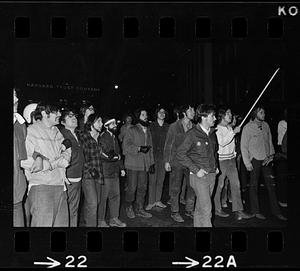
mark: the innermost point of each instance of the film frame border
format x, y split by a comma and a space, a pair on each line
255, 233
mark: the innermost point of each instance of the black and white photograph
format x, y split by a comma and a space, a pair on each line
149, 115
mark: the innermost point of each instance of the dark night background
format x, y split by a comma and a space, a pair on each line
151, 70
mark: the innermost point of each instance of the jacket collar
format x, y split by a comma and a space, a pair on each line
211, 131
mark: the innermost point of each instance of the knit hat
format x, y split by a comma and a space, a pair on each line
28, 110
108, 120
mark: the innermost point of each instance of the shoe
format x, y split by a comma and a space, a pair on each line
282, 204
177, 217
149, 206
169, 202
281, 217
239, 215
160, 204
260, 216
182, 201
103, 224
190, 214
230, 200
221, 213
143, 213
116, 222
129, 212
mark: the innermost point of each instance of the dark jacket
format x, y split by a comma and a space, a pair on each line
175, 137
199, 151
134, 138
75, 169
109, 143
20, 184
159, 135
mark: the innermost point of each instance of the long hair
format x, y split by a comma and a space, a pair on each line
255, 111
157, 110
47, 107
90, 121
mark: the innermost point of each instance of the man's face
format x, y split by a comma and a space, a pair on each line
129, 120
144, 115
90, 110
112, 126
98, 124
228, 116
210, 119
190, 113
53, 118
70, 121
161, 114
261, 115
16, 102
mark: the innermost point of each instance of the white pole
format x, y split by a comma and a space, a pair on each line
259, 97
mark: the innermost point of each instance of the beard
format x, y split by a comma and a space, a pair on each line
113, 130
143, 123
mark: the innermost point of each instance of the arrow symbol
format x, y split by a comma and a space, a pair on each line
51, 264
189, 264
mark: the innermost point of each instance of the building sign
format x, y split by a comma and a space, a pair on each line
58, 86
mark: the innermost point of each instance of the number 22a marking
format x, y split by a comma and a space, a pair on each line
216, 265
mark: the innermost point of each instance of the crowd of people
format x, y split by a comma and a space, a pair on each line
68, 166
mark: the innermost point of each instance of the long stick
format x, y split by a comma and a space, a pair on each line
259, 97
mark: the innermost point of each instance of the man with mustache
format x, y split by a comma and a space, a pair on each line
137, 148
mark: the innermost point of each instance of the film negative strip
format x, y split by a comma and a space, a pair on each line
114, 58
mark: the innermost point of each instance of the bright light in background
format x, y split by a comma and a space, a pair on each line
116, 86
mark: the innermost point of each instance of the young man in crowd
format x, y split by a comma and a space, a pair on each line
175, 137
85, 111
92, 171
258, 153
159, 129
47, 190
198, 152
74, 171
227, 154
124, 128
20, 183
112, 165
138, 151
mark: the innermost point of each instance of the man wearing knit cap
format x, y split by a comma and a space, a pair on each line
112, 165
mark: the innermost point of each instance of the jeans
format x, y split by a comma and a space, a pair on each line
48, 206
175, 181
18, 215
91, 191
111, 191
268, 177
228, 169
137, 183
203, 188
282, 175
183, 189
156, 182
74, 190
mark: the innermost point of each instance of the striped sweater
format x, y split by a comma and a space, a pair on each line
226, 142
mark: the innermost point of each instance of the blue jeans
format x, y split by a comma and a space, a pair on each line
175, 182
48, 206
137, 183
73, 192
110, 191
91, 191
18, 215
268, 177
228, 169
156, 182
203, 188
